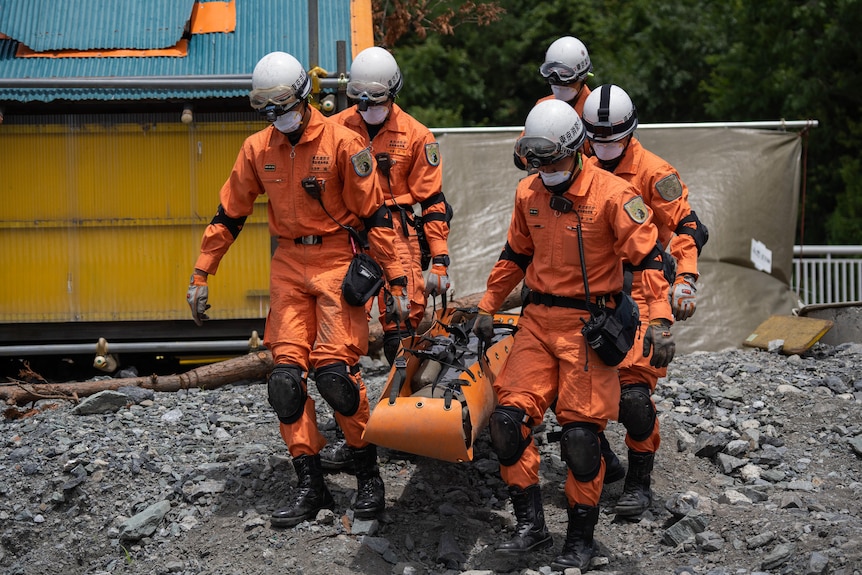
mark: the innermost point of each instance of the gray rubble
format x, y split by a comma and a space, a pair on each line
758, 473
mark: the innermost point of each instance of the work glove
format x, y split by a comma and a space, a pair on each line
438, 281
660, 340
197, 297
484, 327
683, 297
397, 304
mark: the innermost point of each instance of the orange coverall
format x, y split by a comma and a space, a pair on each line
550, 358
664, 192
416, 176
309, 324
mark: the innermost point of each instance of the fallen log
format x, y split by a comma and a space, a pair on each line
251, 367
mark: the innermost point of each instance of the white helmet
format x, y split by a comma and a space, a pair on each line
566, 61
279, 81
374, 76
609, 114
552, 131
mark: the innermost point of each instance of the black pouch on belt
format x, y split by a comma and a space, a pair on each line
612, 332
363, 280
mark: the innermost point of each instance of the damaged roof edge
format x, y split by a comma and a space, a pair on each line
222, 82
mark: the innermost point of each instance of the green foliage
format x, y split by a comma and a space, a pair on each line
681, 61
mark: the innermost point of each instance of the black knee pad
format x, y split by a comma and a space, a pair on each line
581, 449
391, 341
337, 389
637, 413
504, 427
287, 393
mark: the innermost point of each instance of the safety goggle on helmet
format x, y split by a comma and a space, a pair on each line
372, 91
561, 74
552, 131
566, 61
279, 96
278, 84
541, 148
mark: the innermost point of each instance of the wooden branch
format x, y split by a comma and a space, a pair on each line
252, 366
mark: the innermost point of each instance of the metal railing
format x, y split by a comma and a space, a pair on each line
827, 274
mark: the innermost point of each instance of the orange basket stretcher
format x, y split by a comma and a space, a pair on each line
439, 393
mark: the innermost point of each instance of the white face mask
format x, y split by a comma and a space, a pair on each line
375, 114
552, 179
564, 93
287, 123
609, 151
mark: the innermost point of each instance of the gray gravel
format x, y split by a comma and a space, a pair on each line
759, 472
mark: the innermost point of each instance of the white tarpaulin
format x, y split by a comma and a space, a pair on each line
743, 183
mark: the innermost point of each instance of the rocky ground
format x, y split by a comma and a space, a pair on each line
759, 472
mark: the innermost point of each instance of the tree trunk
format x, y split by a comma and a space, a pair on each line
254, 366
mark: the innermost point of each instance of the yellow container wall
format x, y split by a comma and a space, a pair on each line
102, 222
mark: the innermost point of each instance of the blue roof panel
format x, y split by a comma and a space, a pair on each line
262, 26
46, 25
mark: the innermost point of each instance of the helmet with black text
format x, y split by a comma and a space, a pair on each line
610, 118
566, 62
279, 84
374, 77
553, 130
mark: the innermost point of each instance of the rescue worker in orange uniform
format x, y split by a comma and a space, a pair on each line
408, 159
568, 215
408, 162
319, 179
566, 68
610, 119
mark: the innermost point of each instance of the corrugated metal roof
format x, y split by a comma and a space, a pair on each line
44, 25
262, 26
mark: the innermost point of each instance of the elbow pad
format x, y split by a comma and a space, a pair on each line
700, 233
521, 260
382, 218
233, 225
652, 261
436, 216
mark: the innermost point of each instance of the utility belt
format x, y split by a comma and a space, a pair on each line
312, 240
308, 240
570, 302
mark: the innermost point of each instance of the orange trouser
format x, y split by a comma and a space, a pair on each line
635, 369
546, 362
411, 261
310, 325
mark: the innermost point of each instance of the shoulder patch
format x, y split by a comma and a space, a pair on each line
669, 187
636, 209
432, 153
362, 162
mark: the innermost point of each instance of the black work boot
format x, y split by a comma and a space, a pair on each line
531, 533
370, 493
337, 456
311, 494
614, 470
579, 547
636, 496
